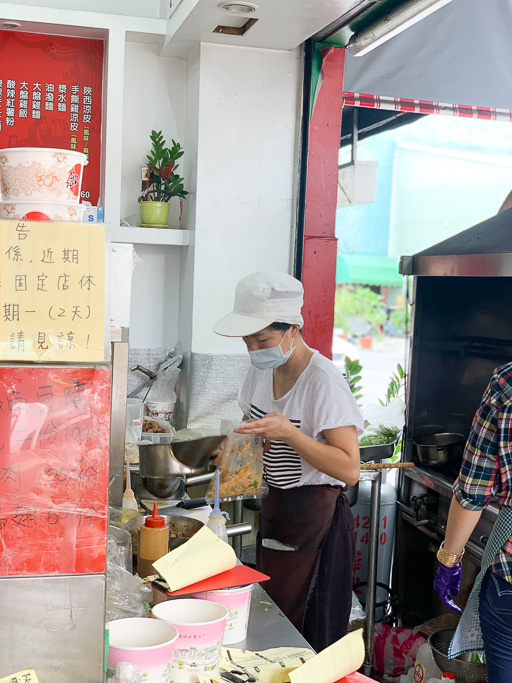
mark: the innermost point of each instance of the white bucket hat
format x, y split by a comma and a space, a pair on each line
260, 300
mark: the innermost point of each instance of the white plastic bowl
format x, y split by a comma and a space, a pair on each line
36, 173
42, 211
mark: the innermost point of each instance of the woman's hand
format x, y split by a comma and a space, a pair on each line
339, 457
273, 426
216, 458
447, 585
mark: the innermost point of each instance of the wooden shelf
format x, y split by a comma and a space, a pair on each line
162, 236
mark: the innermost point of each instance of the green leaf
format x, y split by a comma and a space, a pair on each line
159, 158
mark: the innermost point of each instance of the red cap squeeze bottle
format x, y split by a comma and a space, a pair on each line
155, 521
153, 542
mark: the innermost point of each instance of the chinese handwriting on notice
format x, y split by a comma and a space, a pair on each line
22, 231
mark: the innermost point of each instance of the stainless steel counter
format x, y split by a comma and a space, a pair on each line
268, 627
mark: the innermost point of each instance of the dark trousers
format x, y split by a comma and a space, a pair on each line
496, 624
312, 582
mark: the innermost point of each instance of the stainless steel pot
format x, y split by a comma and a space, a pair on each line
181, 529
441, 450
379, 452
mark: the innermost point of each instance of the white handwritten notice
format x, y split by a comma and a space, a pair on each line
52, 291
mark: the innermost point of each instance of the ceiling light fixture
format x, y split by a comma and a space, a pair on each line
240, 8
11, 24
393, 23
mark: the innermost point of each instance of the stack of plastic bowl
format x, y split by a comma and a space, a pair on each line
38, 183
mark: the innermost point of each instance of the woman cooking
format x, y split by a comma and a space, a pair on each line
485, 476
300, 403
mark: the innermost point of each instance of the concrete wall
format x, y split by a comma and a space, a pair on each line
242, 127
235, 110
154, 99
248, 115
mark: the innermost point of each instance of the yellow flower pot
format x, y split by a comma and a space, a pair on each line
154, 214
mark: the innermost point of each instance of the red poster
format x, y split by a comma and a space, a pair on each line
54, 464
50, 96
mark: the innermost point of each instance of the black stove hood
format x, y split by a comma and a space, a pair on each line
485, 250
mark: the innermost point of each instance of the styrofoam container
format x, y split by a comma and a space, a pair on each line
201, 630
238, 603
42, 211
146, 643
41, 173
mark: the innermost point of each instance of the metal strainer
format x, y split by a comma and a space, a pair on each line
464, 670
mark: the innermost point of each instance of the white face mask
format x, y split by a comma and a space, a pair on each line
264, 359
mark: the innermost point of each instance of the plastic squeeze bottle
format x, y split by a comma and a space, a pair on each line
129, 505
217, 518
153, 542
425, 666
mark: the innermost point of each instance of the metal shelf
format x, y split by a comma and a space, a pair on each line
160, 236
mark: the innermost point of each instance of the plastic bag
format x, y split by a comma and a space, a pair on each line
357, 612
126, 672
167, 375
383, 425
134, 412
241, 471
130, 522
392, 415
395, 649
126, 594
157, 430
133, 430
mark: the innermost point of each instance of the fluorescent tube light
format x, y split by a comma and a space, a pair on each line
393, 23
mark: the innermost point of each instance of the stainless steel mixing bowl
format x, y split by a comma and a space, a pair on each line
163, 467
196, 453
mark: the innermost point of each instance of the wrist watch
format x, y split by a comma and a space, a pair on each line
448, 559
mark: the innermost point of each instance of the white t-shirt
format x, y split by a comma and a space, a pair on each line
320, 399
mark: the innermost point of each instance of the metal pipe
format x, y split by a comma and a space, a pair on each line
391, 23
145, 371
371, 586
195, 479
355, 134
308, 56
238, 513
120, 347
238, 529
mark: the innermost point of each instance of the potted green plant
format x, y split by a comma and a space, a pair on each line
160, 181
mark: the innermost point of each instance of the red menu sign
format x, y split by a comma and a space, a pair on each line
54, 463
51, 96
